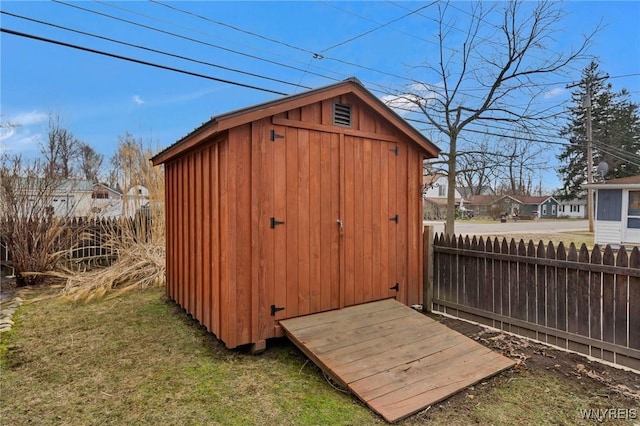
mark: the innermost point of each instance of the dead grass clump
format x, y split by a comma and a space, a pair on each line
136, 242
139, 265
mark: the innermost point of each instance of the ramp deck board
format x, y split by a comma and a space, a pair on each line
396, 360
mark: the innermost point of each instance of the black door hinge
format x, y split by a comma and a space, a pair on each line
395, 287
395, 218
395, 150
275, 136
275, 309
275, 222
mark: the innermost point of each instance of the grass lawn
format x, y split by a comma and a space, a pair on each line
139, 359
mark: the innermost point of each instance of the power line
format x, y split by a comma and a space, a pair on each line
306, 70
138, 61
188, 38
314, 54
233, 27
305, 63
153, 50
342, 43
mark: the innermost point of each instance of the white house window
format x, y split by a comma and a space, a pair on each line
544, 210
553, 210
442, 190
633, 213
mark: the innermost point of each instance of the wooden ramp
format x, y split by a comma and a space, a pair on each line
398, 361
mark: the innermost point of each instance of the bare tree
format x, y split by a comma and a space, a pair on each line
477, 170
501, 64
90, 162
29, 229
60, 150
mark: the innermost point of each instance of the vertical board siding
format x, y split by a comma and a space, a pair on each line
292, 226
402, 178
198, 206
191, 244
228, 319
337, 202
278, 209
206, 238
315, 224
304, 267
348, 286
226, 266
215, 237
583, 300
368, 222
263, 239
242, 137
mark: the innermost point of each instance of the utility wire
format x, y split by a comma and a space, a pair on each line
233, 27
138, 61
189, 39
153, 50
305, 63
315, 55
342, 43
288, 66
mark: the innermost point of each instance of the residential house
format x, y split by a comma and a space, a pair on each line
493, 206
545, 207
434, 197
574, 209
83, 198
524, 207
617, 211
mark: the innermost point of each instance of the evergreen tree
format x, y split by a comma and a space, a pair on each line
615, 133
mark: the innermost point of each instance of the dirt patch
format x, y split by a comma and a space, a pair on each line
7, 288
573, 381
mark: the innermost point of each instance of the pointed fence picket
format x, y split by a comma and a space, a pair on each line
583, 300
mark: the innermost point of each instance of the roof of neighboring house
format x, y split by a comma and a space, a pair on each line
480, 200
106, 187
56, 184
431, 179
466, 191
440, 201
246, 115
532, 200
625, 182
575, 202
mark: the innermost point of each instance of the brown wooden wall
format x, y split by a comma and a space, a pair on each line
227, 266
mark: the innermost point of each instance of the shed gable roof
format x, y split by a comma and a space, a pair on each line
242, 116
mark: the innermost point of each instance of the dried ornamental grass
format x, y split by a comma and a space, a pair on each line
138, 244
139, 265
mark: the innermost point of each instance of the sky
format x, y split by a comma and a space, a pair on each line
276, 48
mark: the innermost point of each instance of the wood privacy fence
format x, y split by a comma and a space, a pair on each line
581, 300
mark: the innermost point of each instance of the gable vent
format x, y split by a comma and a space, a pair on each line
342, 115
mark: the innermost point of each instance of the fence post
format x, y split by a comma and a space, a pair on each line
427, 262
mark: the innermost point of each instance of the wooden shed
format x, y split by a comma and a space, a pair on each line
308, 203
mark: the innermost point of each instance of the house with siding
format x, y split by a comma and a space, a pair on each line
513, 205
435, 196
573, 209
493, 205
545, 207
617, 211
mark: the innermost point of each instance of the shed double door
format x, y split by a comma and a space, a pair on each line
338, 225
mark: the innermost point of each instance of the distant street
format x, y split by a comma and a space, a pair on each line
542, 226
